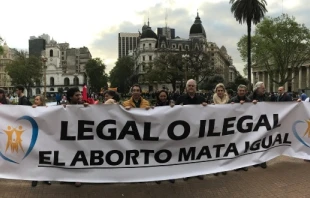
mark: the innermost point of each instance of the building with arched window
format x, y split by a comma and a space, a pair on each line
65, 67
5, 59
151, 45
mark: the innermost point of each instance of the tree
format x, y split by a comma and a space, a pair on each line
198, 64
248, 11
25, 71
95, 70
280, 46
177, 67
122, 73
212, 82
239, 80
167, 67
1, 48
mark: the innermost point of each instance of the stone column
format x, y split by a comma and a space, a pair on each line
258, 76
274, 84
308, 76
300, 77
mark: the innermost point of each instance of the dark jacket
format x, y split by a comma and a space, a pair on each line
187, 100
284, 98
259, 98
237, 99
24, 101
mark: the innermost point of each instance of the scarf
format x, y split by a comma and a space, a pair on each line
218, 100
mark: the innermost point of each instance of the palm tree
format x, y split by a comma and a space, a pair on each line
248, 11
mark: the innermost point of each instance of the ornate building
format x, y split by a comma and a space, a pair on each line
300, 79
150, 45
65, 68
5, 59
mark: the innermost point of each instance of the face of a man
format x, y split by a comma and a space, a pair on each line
280, 90
191, 87
241, 92
18, 92
136, 92
76, 98
261, 90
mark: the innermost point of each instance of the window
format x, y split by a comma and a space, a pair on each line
66, 81
62, 53
173, 46
51, 89
186, 47
143, 67
38, 91
150, 45
143, 58
51, 53
62, 58
180, 47
143, 46
76, 81
150, 58
51, 81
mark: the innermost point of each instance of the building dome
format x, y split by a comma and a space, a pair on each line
5, 47
223, 49
197, 27
148, 33
144, 27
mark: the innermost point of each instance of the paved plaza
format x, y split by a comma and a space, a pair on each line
285, 177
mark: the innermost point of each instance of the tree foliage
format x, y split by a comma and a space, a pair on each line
95, 70
248, 11
280, 46
1, 48
177, 67
212, 82
121, 76
167, 67
25, 71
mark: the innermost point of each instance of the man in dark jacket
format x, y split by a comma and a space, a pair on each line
241, 95
259, 95
283, 96
240, 98
23, 100
191, 98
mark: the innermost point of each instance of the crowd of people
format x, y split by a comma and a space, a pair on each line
164, 98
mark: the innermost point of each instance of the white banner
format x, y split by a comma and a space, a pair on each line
105, 143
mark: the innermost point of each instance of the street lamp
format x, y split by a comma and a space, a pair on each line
44, 60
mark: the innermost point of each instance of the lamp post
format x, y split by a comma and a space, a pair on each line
44, 60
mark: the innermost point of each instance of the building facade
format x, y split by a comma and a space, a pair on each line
6, 58
65, 68
37, 44
126, 42
150, 45
300, 79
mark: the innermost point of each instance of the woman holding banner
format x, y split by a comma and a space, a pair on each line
39, 101
220, 97
162, 99
111, 97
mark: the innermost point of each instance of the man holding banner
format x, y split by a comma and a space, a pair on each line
136, 101
191, 98
259, 95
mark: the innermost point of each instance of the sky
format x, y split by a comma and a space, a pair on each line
96, 23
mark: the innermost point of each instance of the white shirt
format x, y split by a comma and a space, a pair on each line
307, 100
